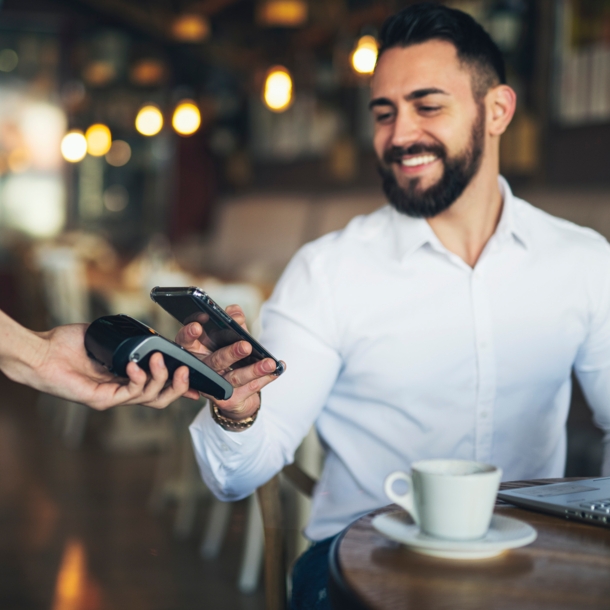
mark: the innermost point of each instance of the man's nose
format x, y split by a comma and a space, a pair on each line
406, 130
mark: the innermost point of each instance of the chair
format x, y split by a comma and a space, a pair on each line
269, 498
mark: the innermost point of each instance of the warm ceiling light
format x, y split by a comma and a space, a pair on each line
187, 118
148, 72
99, 73
282, 13
74, 146
149, 120
364, 56
190, 28
99, 140
119, 153
277, 93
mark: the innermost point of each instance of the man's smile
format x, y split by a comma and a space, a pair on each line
411, 164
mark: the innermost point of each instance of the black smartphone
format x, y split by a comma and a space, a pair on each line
190, 304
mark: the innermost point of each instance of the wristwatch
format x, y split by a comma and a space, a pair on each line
232, 425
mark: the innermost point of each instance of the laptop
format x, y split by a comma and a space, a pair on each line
587, 500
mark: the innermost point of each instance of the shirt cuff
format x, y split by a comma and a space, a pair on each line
225, 439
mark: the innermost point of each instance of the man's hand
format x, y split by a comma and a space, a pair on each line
56, 362
247, 381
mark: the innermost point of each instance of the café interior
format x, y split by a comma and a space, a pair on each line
202, 143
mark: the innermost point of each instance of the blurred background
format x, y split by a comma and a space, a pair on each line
202, 142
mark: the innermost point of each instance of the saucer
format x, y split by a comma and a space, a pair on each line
504, 533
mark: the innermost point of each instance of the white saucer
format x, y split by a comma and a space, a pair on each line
504, 533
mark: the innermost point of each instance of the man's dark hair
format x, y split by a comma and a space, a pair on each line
426, 21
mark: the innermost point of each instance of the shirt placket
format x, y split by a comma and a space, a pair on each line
486, 367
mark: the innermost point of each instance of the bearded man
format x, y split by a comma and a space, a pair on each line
444, 325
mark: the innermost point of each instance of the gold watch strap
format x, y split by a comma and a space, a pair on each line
230, 424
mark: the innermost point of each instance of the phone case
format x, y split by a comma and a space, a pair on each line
185, 303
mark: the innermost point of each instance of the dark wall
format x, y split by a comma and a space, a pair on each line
578, 155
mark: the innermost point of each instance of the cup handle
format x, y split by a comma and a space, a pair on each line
405, 500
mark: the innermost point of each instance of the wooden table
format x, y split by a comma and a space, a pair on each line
567, 567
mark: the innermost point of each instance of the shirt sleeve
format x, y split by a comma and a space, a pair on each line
298, 327
592, 365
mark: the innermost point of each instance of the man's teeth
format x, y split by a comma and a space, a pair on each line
421, 160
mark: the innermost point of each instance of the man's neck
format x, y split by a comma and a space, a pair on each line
467, 226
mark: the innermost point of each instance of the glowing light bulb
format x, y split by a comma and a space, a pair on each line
190, 27
149, 121
187, 118
74, 146
364, 56
277, 93
99, 140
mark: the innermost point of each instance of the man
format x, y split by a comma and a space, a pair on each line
56, 362
446, 324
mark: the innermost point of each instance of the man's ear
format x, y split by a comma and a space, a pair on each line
501, 102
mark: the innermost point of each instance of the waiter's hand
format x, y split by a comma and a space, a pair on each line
60, 366
247, 381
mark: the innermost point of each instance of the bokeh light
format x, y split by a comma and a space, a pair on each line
19, 159
74, 146
277, 93
187, 118
282, 13
149, 121
8, 60
115, 198
119, 153
364, 56
99, 140
190, 27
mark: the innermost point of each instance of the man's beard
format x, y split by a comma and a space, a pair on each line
457, 173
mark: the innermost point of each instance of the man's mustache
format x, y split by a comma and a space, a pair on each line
396, 153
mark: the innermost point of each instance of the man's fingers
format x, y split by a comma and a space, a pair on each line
237, 313
245, 400
188, 336
222, 359
244, 375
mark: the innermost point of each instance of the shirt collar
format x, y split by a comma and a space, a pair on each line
510, 225
410, 234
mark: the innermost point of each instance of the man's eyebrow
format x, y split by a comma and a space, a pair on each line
414, 95
380, 101
419, 93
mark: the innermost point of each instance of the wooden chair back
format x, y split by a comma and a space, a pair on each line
275, 539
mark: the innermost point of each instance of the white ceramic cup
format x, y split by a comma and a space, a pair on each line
451, 499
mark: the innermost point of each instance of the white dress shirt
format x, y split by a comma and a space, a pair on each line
399, 351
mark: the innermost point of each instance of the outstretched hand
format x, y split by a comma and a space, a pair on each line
61, 367
247, 381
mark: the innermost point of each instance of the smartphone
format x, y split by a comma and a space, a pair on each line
190, 304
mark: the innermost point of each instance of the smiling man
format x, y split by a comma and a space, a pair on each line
444, 325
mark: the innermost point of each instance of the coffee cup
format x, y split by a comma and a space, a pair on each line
450, 499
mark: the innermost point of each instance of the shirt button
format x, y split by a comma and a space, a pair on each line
484, 414
224, 447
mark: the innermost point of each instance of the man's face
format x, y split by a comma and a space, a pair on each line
429, 129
